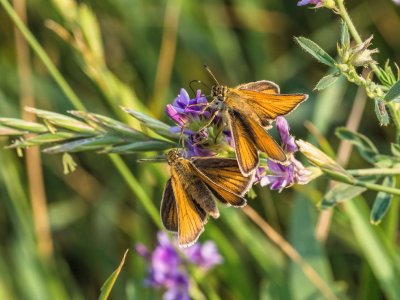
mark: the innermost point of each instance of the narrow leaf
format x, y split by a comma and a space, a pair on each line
23, 125
381, 112
45, 138
394, 93
93, 143
152, 123
316, 51
382, 202
395, 148
344, 35
339, 193
62, 120
326, 81
151, 145
364, 145
109, 283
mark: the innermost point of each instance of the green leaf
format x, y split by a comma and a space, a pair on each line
45, 138
151, 145
364, 145
152, 123
381, 112
93, 143
109, 283
326, 81
394, 93
339, 193
382, 202
395, 148
62, 120
23, 125
316, 51
344, 34
110, 124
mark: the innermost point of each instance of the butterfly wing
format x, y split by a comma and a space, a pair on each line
224, 172
246, 151
264, 141
262, 106
168, 209
262, 86
191, 217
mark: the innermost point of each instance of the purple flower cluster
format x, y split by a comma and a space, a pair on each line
185, 111
168, 267
192, 117
279, 176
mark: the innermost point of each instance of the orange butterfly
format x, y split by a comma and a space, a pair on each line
249, 110
189, 194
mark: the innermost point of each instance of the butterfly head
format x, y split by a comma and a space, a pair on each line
218, 94
173, 155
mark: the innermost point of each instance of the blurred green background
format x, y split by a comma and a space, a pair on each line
139, 54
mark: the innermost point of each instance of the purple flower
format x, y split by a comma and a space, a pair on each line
205, 256
183, 110
317, 3
396, 2
179, 290
203, 136
197, 143
279, 176
288, 142
167, 268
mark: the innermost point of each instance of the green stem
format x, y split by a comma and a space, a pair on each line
377, 187
372, 171
353, 31
43, 56
356, 36
132, 182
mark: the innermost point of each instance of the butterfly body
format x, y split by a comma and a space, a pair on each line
249, 110
190, 194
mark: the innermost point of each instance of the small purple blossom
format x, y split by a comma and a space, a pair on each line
317, 3
197, 144
205, 256
184, 109
288, 142
168, 264
279, 176
396, 2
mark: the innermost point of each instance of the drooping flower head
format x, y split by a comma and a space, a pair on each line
279, 176
169, 264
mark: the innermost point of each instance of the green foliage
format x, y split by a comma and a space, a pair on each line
382, 202
316, 51
116, 53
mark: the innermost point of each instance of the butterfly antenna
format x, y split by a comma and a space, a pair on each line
211, 74
200, 82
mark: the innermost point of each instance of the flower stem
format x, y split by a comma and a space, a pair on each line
393, 107
377, 187
353, 31
372, 171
